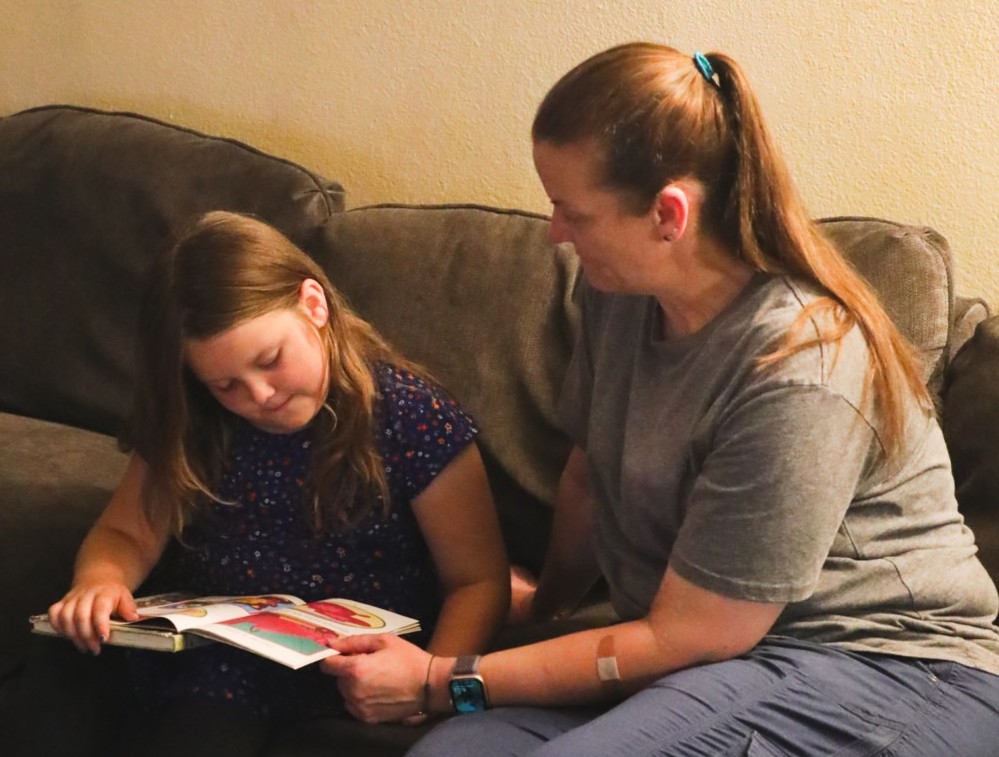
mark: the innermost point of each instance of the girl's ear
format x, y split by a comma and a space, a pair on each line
673, 209
312, 300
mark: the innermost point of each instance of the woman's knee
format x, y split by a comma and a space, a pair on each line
503, 732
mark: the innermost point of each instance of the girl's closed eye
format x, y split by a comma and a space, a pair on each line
271, 361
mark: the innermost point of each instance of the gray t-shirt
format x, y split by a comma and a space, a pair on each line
770, 484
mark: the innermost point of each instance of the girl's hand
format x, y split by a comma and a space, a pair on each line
381, 678
83, 615
522, 588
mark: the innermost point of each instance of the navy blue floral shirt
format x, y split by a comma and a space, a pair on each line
261, 541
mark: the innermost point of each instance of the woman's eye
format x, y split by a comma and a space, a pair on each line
273, 361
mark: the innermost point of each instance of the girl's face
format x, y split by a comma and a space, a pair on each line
270, 370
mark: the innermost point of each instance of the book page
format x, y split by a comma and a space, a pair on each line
296, 636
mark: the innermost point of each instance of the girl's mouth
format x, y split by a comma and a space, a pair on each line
277, 407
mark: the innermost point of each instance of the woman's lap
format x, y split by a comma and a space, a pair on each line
785, 698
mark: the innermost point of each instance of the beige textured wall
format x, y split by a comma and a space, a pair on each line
882, 107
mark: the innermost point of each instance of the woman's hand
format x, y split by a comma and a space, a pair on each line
522, 587
83, 615
381, 678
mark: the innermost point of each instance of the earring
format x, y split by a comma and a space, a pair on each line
671, 236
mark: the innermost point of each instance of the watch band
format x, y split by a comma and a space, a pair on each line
466, 665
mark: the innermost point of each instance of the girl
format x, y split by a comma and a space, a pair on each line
281, 445
758, 473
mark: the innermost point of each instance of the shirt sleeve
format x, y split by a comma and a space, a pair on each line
772, 494
576, 396
423, 429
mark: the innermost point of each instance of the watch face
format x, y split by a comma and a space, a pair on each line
468, 694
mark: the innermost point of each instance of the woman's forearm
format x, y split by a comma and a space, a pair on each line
564, 671
686, 626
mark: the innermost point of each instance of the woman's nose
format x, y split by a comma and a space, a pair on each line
558, 231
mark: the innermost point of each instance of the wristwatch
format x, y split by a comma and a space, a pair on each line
468, 690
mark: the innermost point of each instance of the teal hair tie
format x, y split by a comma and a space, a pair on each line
705, 67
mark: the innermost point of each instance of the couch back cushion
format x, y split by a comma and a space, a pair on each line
482, 299
85, 197
910, 269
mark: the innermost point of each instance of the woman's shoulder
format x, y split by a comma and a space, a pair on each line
780, 299
778, 304
785, 311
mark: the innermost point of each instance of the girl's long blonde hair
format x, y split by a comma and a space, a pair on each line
227, 269
657, 118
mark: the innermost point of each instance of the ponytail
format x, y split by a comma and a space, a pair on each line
776, 234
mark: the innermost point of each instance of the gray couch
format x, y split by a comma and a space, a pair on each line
477, 294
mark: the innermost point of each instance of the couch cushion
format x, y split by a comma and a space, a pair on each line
910, 269
85, 197
54, 481
971, 427
482, 298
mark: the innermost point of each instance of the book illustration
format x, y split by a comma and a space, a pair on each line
280, 627
298, 635
186, 612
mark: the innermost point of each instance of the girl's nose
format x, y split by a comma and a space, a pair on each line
259, 390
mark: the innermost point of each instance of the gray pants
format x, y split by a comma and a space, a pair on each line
785, 698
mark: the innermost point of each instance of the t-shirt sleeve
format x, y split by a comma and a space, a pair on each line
772, 494
576, 395
423, 429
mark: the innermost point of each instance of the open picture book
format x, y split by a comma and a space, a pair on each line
279, 627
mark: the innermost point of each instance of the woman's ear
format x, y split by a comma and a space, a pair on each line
312, 300
673, 210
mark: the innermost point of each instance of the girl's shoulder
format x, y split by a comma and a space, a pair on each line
421, 428
407, 397
396, 384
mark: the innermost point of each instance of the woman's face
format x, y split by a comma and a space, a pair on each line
270, 370
615, 247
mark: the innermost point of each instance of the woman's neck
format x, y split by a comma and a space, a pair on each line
706, 280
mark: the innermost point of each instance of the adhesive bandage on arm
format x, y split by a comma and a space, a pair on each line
607, 669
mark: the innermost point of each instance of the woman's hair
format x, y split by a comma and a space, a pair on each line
655, 117
227, 269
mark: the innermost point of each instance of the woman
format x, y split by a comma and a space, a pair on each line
758, 473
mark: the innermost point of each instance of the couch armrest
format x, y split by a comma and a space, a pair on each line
54, 480
971, 428
968, 313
